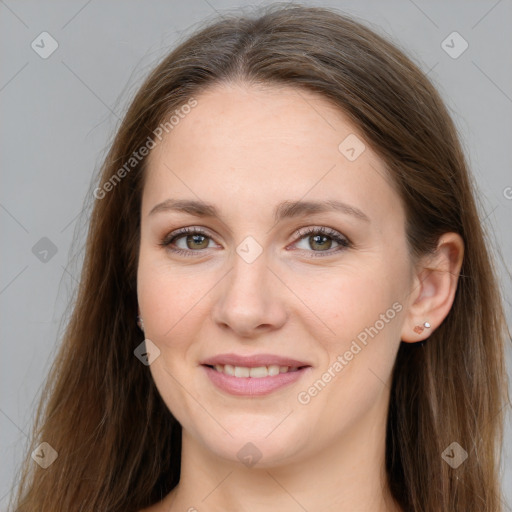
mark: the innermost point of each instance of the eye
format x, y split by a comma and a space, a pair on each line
196, 239
321, 238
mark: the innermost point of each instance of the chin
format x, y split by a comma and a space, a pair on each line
256, 448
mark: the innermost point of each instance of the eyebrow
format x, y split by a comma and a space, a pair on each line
284, 210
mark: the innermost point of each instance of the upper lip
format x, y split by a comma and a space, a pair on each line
253, 361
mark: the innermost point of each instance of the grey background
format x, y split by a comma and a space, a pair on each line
59, 115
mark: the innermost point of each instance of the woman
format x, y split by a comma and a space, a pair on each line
286, 302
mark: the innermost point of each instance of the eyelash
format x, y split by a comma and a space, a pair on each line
344, 243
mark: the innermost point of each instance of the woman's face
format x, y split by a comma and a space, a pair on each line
260, 286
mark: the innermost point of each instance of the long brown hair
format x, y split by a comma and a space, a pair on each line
118, 445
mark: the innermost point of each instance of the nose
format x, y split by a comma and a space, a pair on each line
251, 299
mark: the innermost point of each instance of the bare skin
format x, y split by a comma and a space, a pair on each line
245, 150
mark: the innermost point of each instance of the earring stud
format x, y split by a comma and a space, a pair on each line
419, 328
140, 323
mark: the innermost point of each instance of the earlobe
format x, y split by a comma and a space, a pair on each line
418, 329
436, 284
140, 323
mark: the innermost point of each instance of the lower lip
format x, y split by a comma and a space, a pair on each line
253, 386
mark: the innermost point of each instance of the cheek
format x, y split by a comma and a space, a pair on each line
361, 354
169, 304
353, 299
364, 314
169, 297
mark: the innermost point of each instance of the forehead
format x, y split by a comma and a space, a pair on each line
262, 145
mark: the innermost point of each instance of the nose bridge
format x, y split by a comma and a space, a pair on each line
249, 278
249, 298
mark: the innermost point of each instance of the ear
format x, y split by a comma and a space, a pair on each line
433, 289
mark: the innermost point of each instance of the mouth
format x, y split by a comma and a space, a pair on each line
253, 375
256, 372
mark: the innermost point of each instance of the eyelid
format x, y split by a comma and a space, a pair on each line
188, 230
343, 241
326, 230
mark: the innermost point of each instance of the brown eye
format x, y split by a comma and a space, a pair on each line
195, 241
320, 240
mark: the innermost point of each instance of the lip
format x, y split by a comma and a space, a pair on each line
252, 386
253, 361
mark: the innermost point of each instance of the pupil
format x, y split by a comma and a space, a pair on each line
196, 242
316, 237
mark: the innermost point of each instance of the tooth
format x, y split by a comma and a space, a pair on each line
258, 372
229, 369
241, 371
273, 369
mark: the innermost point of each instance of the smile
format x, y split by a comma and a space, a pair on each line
257, 372
253, 381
